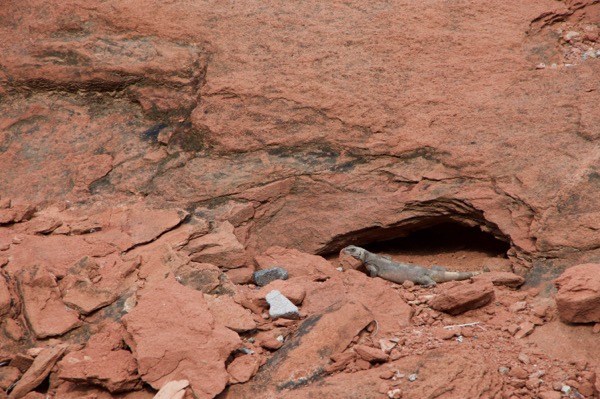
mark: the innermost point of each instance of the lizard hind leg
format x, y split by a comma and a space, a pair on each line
426, 281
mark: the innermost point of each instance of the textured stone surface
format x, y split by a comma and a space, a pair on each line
463, 296
39, 370
370, 354
502, 278
44, 308
296, 263
230, 314
220, 247
280, 306
242, 368
5, 298
578, 296
168, 316
265, 276
294, 289
153, 136
104, 362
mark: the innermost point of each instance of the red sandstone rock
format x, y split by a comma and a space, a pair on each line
242, 368
172, 390
221, 248
296, 263
340, 361
293, 289
5, 298
103, 362
168, 316
127, 228
578, 296
39, 370
16, 214
8, 376
315, 341
463, 296
297, 138
230, 314
501, 278
370, 354
44, 308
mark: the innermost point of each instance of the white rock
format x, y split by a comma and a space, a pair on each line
280, 306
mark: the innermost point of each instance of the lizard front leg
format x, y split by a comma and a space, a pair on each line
371, 269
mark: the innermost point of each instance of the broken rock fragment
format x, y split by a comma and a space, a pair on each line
242, 368
44, 307
229, 313
280, 306
371, 355
460, 297
309, 350
294, 290
220, 248
39, 370
174, 336
507, 279
5, 298
578, 296
172, 390
103, 362
266, 276
296, 263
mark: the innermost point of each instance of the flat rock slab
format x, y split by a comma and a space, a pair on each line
308, 351
460, 297
296, 263
578, 296
175, 336
38, 371
172, 390
506, 279
229, 313
44, 307
221, 247
266, 276
104, 362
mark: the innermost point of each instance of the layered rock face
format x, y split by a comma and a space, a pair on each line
156, 154
311, 126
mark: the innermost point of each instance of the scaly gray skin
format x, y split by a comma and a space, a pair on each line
386, 268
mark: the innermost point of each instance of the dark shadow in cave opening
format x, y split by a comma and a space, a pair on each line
446, 237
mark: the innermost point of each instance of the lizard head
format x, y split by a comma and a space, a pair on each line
355, 252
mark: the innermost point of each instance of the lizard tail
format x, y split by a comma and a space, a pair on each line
441, 277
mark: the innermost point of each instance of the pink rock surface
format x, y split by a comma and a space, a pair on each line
5, 298
44, 309
578, 296
220, 247
103, 362
230, 314
242, 368
296, 263
155, 136
168, 316
38, 371
463, 296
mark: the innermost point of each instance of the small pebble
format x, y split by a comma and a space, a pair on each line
523, 358
412, 377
